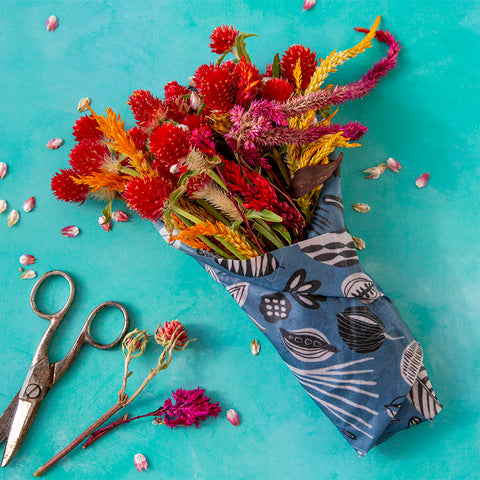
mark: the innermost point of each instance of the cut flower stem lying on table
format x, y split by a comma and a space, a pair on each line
172, 336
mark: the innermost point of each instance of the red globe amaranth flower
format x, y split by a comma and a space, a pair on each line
147, 110
86, 128
216, 86
147, 196
174, 89
169, 143
277, 89
268, 71
139, 138
177, 108
169, 331
223, 39
248, 80
195, 121
64, 188
88, 156
308, 63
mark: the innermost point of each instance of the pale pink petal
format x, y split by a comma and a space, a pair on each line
422, 180
308, 4
52, 23
27, 259
393, 165
3, 170
29, 204
70, 231
119, 216
232, 417
54, 143
140, 462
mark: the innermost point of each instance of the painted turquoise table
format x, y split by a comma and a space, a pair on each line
421, 245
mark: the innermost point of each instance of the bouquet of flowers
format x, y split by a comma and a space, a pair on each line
240, 170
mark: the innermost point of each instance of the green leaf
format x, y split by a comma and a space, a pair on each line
236, 224
241, 47
128, 171
265, 215
222, 57
282, 230
200, 109
184, 178
176, 194
276, 69
107, 212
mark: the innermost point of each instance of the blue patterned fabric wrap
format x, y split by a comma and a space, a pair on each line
338, 333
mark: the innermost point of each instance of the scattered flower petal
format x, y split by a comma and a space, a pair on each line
28, 274
27, 260
359, 243
70, 231
3, 170
119, 216
20, 269
13, 218
83, 104
3, 205
55, 143
232, 417
376, 171
255, 346
393, 165
361, 207
140, 462
52, 23
308, 4
422, 180
107, 226
29, 204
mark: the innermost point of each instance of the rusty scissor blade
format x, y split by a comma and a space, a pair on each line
7, 417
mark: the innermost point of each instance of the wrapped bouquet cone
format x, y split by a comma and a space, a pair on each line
338, 332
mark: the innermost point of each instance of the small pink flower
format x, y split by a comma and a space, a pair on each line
29, 204
70, 231
52, 23
393, 165
422, 180
119, 216
308, 4
27, 259
140, 462
54, 143
232, 417
107, 226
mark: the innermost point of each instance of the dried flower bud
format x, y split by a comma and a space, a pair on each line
361, 207
27, 259
135, 342
83, 104
54, 143
3, 170
107, 226
255, 346
195, 101
375, 172
3, 205
119, 216
232, 417
172, 331
70, 231
308, 4
393, 165
422, 180
359, 243
27, 274
140, 462
52, 23
13, 218
29, 204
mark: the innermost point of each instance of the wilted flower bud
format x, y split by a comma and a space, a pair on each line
172, 331
135, 343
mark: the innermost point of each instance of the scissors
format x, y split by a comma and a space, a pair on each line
42, 375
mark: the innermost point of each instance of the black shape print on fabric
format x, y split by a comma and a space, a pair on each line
422, 396
253, 267
361, 330
275, 307
393, 407
308, 344
334, 248
302, 291
333, 200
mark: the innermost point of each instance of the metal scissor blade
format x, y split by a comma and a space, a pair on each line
20, 426
7, 417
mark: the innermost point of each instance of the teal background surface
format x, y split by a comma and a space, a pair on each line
422, 245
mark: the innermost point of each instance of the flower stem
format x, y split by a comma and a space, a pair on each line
108, 414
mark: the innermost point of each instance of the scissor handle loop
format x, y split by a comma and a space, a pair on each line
126, 323
61, 313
